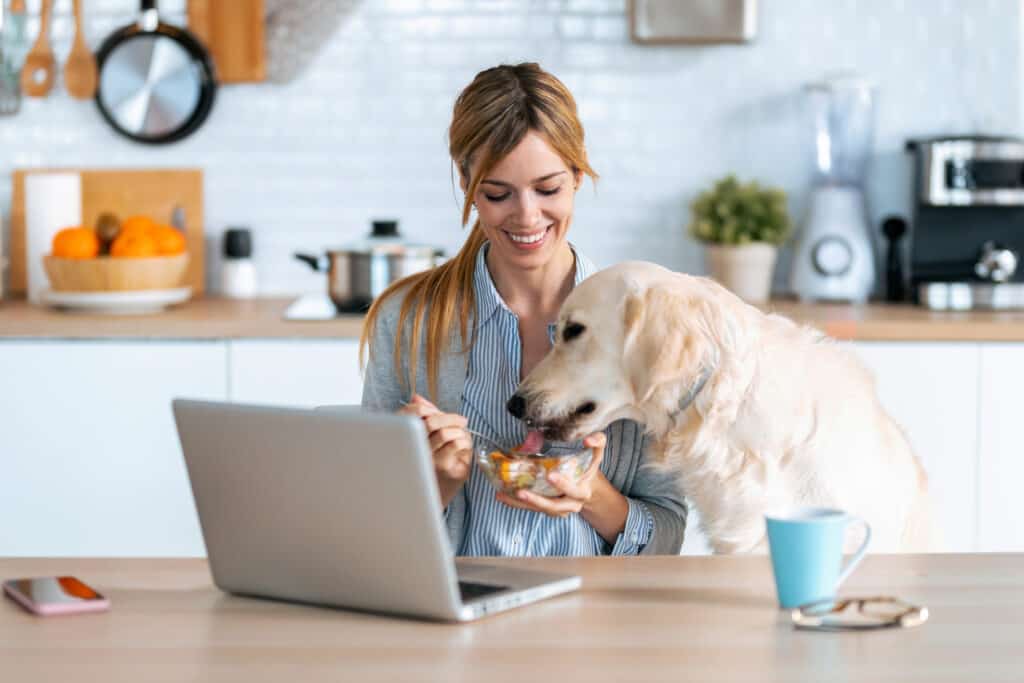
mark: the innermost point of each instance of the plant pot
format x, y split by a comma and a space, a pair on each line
746, 269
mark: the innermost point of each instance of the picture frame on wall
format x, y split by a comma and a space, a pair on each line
667, 22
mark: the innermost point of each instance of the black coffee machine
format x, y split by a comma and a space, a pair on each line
968, 225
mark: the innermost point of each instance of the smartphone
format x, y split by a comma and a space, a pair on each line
55, 595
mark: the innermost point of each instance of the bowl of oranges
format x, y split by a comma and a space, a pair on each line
135, 254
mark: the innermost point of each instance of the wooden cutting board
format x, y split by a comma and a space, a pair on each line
233, 32
154, 193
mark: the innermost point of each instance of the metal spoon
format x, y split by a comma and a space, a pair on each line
471, 431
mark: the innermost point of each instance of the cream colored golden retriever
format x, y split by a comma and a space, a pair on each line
751, 411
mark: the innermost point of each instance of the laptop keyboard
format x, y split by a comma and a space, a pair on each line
470, 590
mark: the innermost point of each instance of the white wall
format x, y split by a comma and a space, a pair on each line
363, 133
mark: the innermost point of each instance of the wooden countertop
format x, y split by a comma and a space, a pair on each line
215, 318
206, 318
650, 619
903, 322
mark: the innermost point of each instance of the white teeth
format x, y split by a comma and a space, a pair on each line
529, 239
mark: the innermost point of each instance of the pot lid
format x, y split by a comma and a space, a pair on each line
385, 240
394, 249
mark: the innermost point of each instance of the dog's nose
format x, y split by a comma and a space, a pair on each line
517, 406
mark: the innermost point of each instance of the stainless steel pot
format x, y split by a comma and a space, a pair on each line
357, 275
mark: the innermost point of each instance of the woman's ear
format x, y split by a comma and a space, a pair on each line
463, 170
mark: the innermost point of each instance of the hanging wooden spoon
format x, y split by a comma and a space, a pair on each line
38, 71
80, 67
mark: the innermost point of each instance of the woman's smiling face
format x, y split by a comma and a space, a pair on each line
525, 203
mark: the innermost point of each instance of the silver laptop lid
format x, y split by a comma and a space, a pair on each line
283, 516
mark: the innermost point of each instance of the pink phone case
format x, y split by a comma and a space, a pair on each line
46, 609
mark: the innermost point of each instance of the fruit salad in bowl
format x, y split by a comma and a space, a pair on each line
526, 466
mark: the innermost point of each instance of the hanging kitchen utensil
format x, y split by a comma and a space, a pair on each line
296, 31
37, 74
15, 35
10, 90
233, 32
80, 68
156, 81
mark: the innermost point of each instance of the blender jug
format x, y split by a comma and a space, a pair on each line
834, 259
842, 115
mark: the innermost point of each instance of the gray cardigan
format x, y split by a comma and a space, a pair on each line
384, 390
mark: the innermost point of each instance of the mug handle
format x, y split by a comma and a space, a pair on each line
857, 556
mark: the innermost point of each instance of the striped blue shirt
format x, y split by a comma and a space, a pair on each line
494, 528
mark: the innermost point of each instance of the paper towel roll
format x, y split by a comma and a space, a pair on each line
53, 201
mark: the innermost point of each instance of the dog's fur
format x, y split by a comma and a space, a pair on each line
786, 416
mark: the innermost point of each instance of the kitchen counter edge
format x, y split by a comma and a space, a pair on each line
220, 318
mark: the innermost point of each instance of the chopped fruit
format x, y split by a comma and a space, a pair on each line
517, 471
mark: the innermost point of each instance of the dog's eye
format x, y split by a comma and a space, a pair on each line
586, 409
571, 331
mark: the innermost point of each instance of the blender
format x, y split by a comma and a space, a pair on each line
834, 259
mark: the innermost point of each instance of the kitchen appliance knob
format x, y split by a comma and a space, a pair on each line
832, 256
384, 228
996, 263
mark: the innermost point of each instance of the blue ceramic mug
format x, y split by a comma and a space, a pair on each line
807, 552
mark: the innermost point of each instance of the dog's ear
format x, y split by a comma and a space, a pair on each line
659, 345
632, 318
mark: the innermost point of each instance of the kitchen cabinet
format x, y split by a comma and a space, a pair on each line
92, 464
1000, 454
295, 372
931, 390
90, 455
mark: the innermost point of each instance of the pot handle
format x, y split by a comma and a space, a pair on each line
317, 263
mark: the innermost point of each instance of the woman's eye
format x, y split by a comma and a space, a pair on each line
571, 331
499, 198
548, 193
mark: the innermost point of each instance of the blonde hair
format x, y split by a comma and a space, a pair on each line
491, 116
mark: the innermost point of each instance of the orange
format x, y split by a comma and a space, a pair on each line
134, 244
137, 223
169, 241
77, 242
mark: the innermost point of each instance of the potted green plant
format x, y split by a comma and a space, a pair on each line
742, 226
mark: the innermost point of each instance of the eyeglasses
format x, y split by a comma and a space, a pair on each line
858, 614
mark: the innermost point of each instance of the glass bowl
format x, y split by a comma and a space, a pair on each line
511, 470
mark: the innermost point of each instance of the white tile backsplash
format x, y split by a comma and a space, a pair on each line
363, 133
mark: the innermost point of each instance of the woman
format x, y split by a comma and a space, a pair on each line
484, 319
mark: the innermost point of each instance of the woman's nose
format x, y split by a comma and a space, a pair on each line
529, 211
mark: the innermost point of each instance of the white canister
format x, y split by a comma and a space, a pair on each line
53, 201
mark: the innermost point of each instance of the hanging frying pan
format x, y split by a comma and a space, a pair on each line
156, 81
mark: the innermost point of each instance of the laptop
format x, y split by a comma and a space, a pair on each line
335, 507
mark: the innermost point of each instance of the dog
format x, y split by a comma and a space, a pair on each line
750, 411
